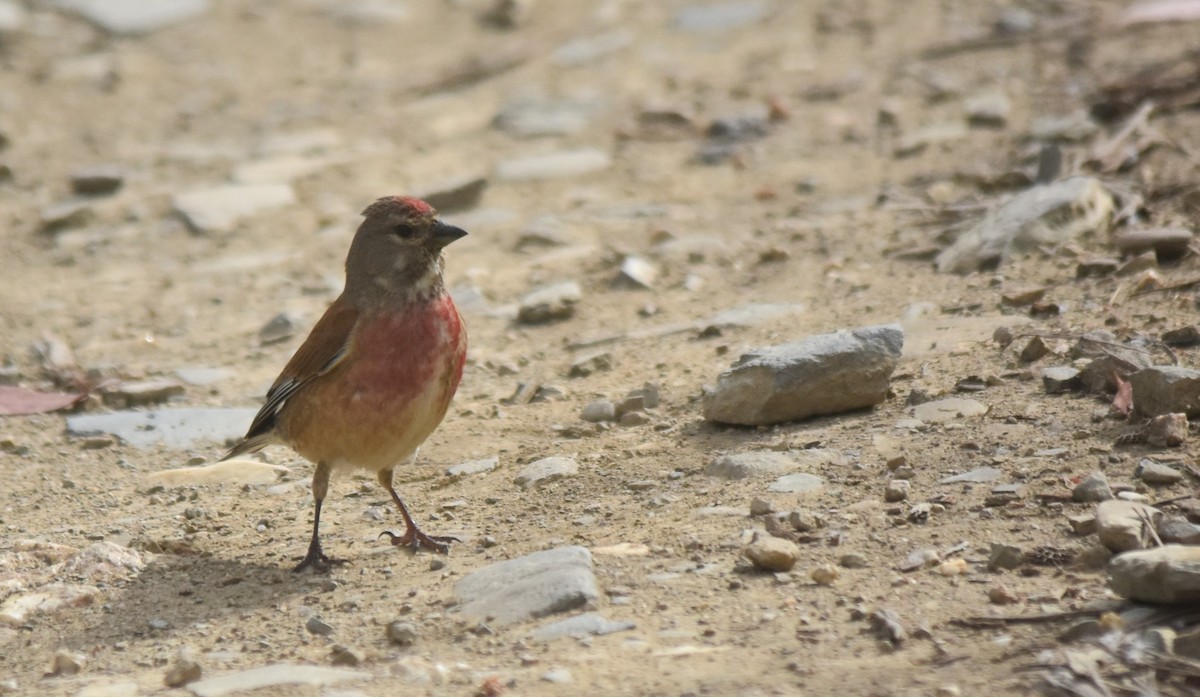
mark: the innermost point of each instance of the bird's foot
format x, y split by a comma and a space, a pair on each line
415, 540
318, 562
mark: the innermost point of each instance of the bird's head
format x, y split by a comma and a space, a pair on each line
397, 251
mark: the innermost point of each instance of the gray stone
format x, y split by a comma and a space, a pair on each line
558, 675
546, 470
1045, 215
1082, 524
175, 428
183, 672
585, 365
763, 463
132, 17
201, 376
948, 409
752, 315
1167, 243
980, 475
536, 585
97, 180
555, 165
897, 490
587, 49
463, 469
220, 208
550, 303
279, 169
529, 117
457, 194
401, 633
273, 675
721, 16
1126, 525
1059, 379
825, 374
1179, 530
12, 19
142, 392
1165, 390
318, 626
1074, 127
1092, 488
599, 411
580, 626
636, 272
989, 109
368, 12
1005, 556
772, 553
798, 483
1167, 575
73, 212
1156, 473
916, 141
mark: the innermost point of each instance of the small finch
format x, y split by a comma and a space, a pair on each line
378, 371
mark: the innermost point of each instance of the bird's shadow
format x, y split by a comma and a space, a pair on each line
173, 593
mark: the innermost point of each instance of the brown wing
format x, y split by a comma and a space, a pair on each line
325, 346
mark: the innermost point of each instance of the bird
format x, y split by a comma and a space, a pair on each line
377, 373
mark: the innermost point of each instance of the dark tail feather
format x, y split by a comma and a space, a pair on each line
248, 445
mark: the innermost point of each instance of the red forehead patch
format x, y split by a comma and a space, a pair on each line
406, 206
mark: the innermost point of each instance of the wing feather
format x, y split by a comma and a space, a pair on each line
324, 348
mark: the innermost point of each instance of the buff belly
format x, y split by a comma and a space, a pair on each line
374, 414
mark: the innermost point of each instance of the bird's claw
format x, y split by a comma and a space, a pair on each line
318, 562
413, 539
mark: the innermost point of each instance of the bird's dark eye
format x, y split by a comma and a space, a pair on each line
404, 230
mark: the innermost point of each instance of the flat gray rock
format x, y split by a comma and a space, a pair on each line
533, 116
752, 315
1166, 390
824, 374
585, 625
536, 585
268, 676
173, 428
1168, 575
550, 303
1046, 215
768, 463
546, 470
722, 16
132, 17
979, 475
463, 469
586, 49
1122, 525
565, 163
948, 409
798, 483
219, 208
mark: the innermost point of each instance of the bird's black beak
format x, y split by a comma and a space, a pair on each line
444, 234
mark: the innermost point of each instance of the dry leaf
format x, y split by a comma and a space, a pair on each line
18, 400
1123, 401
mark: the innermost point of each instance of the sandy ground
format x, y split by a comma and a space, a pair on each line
811, 213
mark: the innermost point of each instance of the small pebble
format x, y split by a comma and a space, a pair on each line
825, 575
897, 490
772, 553
318, 626
183, 672
401, 633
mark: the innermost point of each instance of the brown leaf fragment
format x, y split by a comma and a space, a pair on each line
18, 400
1123, 401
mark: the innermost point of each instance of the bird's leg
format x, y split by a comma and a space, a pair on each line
315, 557
412, 538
